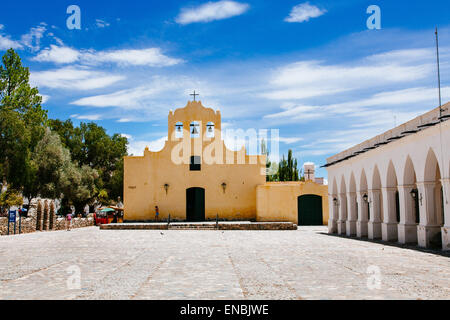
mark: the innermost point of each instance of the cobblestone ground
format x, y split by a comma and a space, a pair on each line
303, 264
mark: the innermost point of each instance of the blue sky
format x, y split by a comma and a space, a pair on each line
312, 69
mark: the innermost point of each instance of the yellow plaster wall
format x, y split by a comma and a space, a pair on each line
277, 201
145, 176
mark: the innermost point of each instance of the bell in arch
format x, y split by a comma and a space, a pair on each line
179, 130
210, 130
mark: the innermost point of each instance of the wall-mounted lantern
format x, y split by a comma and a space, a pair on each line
366, 198
224, 187
415, 193
166, 187
335, 201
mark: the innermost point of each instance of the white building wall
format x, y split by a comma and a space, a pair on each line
385, 170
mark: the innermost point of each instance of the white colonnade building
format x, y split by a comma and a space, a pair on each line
395, 186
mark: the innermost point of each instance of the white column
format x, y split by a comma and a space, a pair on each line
361, 224
350, 225
374, 229
445, 231
428, 228
341, 223
389, 229
407, 228
332, 226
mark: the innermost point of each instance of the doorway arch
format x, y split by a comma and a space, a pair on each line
195, 204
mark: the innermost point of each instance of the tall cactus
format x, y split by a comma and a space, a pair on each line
52, 215
45, 222
39, 216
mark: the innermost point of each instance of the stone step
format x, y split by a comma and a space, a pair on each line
192, 227
237, 225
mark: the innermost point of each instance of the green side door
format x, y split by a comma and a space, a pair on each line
310, 210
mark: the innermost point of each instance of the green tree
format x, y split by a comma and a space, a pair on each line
22, 123
78, 187
287, 169
90, 145
10, 198
59, 177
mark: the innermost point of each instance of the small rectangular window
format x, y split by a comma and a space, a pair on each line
195, 163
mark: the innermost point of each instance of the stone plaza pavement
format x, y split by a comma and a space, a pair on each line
150, 264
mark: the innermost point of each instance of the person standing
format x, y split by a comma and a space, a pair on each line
69, 221
156, 213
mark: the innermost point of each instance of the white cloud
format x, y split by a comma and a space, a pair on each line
299, 112
128, 136
303, 12
137, 147
142, 97
290, 140
90, 117
124, 120
373, 107
151, 57
73, 78
32, 39
45, 98
211, 11
58, 55
128, 98
6, 43
101, 23
307, 79
342, 140
405, 56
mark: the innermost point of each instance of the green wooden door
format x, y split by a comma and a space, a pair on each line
195, 204
310, 210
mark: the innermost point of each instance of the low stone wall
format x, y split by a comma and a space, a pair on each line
42, 217
28, 225
134, 226
258, 226
60, 223
202, 226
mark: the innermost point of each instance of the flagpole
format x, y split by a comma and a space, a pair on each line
439, 74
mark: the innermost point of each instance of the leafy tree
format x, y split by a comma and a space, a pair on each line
75, 167
10, 198
103, 197
90, 145
22, 123
116, 182
52, 161
78, 187
59, 177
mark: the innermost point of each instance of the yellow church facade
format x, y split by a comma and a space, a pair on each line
195, 177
